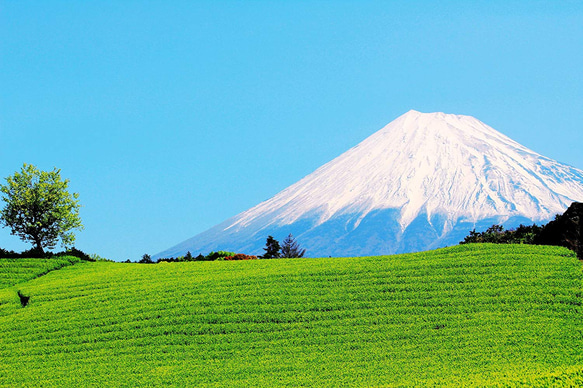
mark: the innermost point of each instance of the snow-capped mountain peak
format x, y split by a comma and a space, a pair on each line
432, 169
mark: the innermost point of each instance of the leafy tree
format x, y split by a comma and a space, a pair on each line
291, 248
146, 259
473, 237
39, 209
272, 248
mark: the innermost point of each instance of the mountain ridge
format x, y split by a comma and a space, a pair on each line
423, 174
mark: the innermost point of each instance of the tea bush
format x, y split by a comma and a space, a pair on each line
472, 315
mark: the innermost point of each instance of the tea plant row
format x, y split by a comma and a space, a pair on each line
469, 315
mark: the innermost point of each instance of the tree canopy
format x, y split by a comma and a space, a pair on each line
272, 248
39, 209
291, 248
523, 234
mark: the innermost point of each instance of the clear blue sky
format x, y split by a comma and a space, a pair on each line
170, 116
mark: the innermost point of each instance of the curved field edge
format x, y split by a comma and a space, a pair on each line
14, 271
475, 315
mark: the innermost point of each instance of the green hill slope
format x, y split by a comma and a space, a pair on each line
14, 271
469, 315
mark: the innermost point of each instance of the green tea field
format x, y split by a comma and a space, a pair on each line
471, 315
14, 271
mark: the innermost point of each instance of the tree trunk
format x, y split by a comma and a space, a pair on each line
39, 247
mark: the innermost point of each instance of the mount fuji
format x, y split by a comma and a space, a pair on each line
421, 182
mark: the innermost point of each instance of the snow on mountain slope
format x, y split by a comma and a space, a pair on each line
425, 172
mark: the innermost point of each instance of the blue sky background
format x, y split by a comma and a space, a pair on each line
170, 117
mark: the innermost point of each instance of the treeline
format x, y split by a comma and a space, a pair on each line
496, 234
289, 248
36, 253
565, 230
213, 256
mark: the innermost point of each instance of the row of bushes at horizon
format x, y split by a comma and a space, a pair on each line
273, 250
213, 256
35, 253
146, 259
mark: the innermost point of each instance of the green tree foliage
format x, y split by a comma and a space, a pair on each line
272, 249
146, 259
212, 256
496, 234
219, 255
39, 209
291, 248
565, 230
33, 253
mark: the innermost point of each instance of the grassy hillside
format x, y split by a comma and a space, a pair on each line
14, 271
470, 315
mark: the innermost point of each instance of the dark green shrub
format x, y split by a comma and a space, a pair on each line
5, 254
75, 252
35, 253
